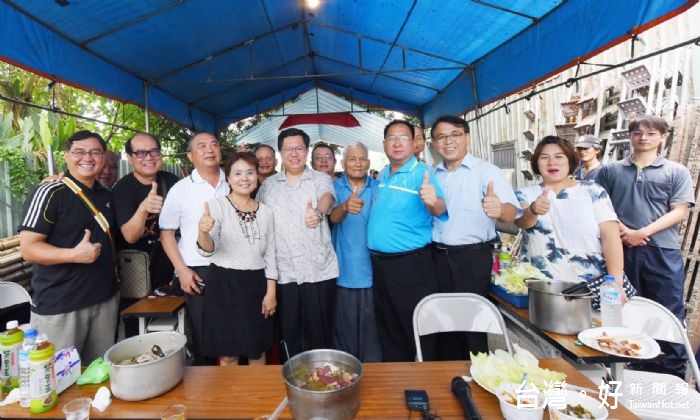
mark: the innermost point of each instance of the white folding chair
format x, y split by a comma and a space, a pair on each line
12, 294
447, 312
645, 315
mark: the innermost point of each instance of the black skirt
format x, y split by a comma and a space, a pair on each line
233, 321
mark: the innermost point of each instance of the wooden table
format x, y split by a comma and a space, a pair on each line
557, 345
150, 307
245, 392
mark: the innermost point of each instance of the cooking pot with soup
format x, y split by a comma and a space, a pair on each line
323, 383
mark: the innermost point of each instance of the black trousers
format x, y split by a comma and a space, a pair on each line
400, 282
306, 315
194, 305
466, 270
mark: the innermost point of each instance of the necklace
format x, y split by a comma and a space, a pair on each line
248, 221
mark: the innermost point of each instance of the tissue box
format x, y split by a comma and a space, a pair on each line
67, 368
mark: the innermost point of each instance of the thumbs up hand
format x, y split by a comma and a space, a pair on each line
312, 217
491, 203
354, 203
86, 252
206, 222
153, 203
542, 204
427, 191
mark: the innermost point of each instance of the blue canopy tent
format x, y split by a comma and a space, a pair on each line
211, 62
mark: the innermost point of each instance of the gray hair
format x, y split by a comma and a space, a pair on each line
356, 144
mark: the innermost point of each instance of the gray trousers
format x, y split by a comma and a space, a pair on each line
91, 330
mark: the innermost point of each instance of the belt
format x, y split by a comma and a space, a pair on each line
455, 249
377, 254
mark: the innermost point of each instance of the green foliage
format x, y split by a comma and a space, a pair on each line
22, 177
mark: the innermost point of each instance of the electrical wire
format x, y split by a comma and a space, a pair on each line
62, 112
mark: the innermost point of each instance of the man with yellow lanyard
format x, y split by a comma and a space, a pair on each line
66, 232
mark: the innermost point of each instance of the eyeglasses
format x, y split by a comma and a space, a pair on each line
647, 133
442, 138
394, 139
324, 157
290, 150
141, 154
81, 153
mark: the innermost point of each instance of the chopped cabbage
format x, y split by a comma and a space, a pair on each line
513, 278
490, 370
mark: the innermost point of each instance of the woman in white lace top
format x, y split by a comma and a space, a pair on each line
236, 233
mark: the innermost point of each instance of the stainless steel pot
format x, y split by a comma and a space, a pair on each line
553, 311
150, 379
339, 404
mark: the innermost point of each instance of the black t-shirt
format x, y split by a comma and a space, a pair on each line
128, 193
54, 210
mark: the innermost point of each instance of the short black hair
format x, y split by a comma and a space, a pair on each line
404, 122
235, 157
127, 145
566, 147
450, 119
291, 132
321, 146
263, 146
82, 135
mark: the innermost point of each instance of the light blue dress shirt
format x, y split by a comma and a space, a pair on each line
464, 189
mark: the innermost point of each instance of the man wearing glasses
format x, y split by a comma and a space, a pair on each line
477, 195
323, 159
398, 237
300, 199
66, 232
138, 199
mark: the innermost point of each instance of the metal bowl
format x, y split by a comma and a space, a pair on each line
338, 404
150, 379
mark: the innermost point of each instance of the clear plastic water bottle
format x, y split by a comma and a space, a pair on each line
610, 303
27, 344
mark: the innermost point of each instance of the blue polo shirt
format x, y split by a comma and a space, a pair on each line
399, 221
465, 187
350, 236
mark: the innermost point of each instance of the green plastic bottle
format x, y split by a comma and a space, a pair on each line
42, 376
10, 342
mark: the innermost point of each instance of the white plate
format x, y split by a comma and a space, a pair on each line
476, 379
649, 348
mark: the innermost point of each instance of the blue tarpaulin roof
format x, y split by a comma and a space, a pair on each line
207, 63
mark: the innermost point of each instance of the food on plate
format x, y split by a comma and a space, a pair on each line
621, 346
326, 377
513, 278
490, 370
578, 411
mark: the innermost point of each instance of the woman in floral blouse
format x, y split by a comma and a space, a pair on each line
571, 231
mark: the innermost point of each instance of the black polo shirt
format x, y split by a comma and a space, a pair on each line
127, 195
56, 211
